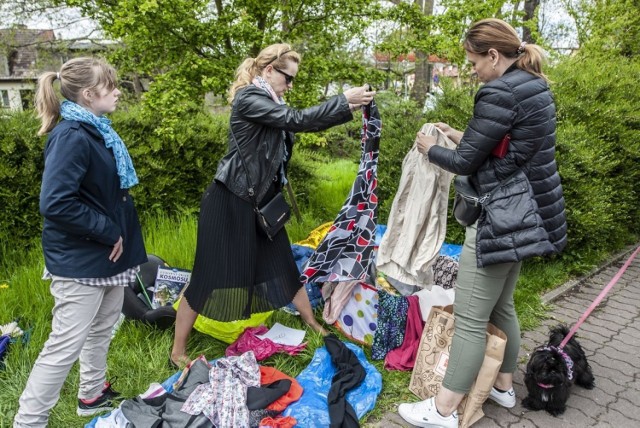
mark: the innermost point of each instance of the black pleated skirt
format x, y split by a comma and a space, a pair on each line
238, 271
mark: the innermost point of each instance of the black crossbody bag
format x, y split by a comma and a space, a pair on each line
468, 204
274, 214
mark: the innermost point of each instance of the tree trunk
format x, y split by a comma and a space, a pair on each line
529, 14
422, 82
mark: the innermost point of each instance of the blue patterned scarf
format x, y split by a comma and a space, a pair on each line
72, 111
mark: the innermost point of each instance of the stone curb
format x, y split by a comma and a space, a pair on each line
572, 284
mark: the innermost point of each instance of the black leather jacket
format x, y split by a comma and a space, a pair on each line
262, 128
521, 104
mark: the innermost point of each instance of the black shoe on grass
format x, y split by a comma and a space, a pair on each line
102, 403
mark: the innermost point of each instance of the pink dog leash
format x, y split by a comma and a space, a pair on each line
595, 303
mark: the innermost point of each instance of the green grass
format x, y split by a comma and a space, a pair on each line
138, 354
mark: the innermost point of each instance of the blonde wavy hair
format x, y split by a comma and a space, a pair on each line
496, 34
75, 76
277, 55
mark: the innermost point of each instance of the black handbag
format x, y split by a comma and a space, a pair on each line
467, 204
272, 217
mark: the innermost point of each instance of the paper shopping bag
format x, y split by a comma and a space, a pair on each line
433, 358
470, 409
433, 353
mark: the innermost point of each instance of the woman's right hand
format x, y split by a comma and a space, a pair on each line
361, 95
116, 252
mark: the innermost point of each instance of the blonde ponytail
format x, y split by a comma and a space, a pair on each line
532, 59
244, 75
47, 102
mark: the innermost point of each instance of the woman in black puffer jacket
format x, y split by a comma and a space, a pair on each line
514, 100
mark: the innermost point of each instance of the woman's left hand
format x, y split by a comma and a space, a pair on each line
424, 142
361, 95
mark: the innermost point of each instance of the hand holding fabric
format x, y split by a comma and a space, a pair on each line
424, 142
361, 95
453, 134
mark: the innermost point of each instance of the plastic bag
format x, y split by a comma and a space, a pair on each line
312, 409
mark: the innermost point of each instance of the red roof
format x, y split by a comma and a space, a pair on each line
411, 57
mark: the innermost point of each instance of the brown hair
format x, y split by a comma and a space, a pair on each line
75, 76
276, 55
496, 34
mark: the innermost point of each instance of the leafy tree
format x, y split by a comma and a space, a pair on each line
426, 33
192, 47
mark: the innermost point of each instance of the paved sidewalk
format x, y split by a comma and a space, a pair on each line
611, 339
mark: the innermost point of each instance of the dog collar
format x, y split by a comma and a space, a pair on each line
545, 385
567, 359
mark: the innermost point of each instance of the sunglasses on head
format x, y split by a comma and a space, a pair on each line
287, 77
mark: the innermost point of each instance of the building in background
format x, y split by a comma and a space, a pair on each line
400, 72
25, 53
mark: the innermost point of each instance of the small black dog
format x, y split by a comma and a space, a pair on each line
551, 372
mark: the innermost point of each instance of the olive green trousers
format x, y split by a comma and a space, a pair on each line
482, 295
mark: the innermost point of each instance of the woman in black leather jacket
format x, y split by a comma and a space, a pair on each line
238, 271
515, 99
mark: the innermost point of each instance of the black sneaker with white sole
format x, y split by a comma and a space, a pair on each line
103, 403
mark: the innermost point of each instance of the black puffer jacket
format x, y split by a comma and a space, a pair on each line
521, 104
261, 127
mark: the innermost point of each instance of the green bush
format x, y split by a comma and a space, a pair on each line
173, 173
20, 176
401, 120
598, 150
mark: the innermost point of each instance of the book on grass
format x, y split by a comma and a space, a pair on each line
169, 283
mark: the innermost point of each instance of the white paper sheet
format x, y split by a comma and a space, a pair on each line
284, 335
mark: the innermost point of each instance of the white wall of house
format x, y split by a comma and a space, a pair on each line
10, 93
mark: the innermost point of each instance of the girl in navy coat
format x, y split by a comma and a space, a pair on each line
91, 238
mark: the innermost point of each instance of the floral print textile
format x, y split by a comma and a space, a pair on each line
224, 399
392, 322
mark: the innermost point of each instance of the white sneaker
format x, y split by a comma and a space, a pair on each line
505, 399
425, 414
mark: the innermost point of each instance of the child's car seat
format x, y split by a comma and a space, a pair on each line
137, 297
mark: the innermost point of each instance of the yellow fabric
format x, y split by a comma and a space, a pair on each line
316, 236
227, 332
384, 284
